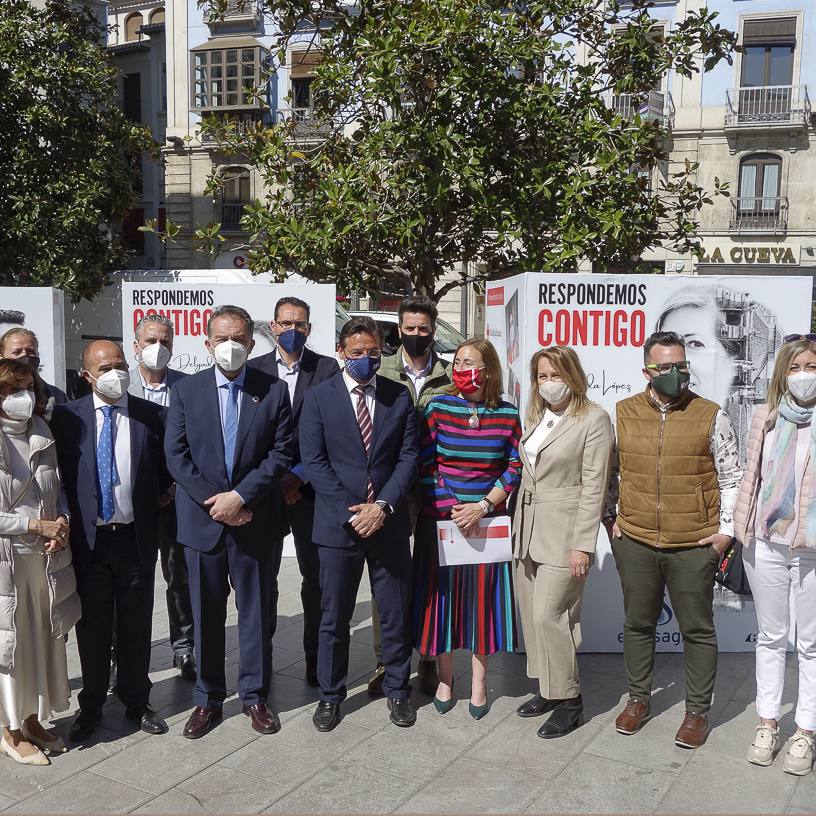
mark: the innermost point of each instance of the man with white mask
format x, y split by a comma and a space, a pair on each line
110, 446
153, 380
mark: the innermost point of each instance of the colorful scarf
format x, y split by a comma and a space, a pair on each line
779, 492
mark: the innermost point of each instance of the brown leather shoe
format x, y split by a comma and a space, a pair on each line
263, 718
693, 731
201, 721
633, 717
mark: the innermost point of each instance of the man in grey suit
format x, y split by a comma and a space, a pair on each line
152, 380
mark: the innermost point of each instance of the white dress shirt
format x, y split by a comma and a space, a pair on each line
418, 377
541, 432
290, 377
351, 384
122, 490
160, 394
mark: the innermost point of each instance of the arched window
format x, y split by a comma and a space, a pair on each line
759, 205
235, 194
132, 26
157, 16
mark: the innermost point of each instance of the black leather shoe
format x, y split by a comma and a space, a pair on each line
566, 716
326, 716
311, 670
402, 714
536, 706
186, 664
84, 725
112, 678
149, 721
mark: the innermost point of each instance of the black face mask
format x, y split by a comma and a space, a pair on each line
417, 345
30, 360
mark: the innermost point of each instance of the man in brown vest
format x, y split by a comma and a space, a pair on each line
679, 477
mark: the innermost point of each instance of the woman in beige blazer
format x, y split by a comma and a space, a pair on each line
566, 454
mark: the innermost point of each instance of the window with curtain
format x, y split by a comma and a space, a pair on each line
759, 183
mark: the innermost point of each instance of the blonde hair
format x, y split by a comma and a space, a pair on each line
493, 386
568, 364
788, 352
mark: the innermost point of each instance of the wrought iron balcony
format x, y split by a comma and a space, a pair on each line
231, 215
238, 122
767, 105
303, 124
654, 106
759, 215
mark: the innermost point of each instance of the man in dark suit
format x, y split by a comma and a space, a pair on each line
299, 367
110, 448
358, 441
152, 380
229, 442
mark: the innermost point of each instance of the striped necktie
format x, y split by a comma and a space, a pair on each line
364, 421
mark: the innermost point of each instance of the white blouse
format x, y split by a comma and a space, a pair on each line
541, 432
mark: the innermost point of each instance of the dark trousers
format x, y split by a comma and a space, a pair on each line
301, 519
114, 583
210, 576
688, 575
389, 568
273, 564
174, 570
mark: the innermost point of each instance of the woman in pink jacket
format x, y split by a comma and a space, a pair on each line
775, 519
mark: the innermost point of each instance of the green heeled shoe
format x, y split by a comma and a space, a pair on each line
446, 706
477, 712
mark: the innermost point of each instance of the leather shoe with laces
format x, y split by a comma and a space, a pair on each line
693, 731
201, 721
263, 718
149, 721
186, 664
84, 724
536, 706
402, 713
633, 717
326, 716
566, 716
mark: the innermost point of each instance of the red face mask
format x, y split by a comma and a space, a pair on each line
467, 379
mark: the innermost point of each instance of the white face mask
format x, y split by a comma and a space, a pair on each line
230, 355
802, 385
19, 406
554, 392
112, 384
155, 356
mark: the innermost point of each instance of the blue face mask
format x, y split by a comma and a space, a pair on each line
292, 341
363, 368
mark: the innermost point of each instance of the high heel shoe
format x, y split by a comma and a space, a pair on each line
477, 712
443, 707
34, 759
54, 746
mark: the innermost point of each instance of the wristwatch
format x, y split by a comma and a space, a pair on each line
490, 505
385, 507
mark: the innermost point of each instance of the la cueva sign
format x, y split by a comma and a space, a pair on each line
750, 254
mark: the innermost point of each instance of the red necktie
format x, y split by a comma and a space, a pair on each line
364, 421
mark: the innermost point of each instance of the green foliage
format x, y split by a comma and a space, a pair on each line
68, 155
470, 133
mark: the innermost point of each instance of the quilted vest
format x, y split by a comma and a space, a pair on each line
669, 496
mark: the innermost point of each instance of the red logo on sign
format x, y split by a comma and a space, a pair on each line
495, 296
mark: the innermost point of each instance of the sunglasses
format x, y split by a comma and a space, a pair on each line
473, 410
792, 338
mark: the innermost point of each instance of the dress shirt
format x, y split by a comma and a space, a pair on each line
351, 384
160, 394
418, 377
222, 385
723, 447
122, 490
290, 377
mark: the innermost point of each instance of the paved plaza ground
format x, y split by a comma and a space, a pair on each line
444, 764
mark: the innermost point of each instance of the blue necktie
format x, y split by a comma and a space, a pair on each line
106, 466
230, 428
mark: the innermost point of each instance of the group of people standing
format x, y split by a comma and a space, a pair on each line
361, 462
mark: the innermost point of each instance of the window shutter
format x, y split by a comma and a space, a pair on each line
769, 32
303, 62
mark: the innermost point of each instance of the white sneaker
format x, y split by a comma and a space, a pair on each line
799, 760
765, 745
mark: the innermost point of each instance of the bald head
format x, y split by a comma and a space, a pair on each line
101, 349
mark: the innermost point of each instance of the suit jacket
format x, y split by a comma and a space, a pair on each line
335, 461
74, 428
560, 501
314, 368
194, 446
135, 387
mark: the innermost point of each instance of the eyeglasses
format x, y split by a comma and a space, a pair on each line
357, 354
792, 338
288, 325
473, 410
664, 368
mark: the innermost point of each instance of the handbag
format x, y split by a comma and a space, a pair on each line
731, 572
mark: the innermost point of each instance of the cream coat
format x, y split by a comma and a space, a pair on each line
561, 497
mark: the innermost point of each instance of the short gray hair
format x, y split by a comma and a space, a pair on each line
231, 311
154, 318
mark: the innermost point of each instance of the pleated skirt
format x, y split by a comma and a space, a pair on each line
464, 607
38, 681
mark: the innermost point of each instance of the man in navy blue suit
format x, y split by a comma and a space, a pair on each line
110, 449
360, 451
228, 443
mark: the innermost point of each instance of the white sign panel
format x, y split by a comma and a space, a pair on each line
39, 309
490, 545
733, 326
190, 306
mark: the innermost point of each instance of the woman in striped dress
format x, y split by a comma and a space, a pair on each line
470, 464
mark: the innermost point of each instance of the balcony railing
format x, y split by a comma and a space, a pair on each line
757, 215
231, 215
303, 123
655, 106
769, 104
238, 122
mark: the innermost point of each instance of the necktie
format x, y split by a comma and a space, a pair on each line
364, 421
230, 428
106, 466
